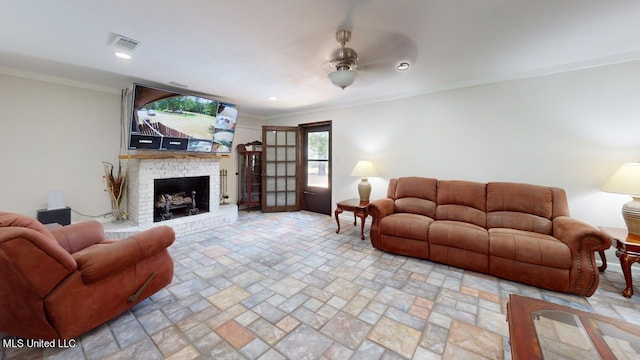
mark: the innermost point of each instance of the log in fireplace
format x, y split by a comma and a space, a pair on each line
178, 197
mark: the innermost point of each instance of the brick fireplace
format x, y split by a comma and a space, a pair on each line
141, 198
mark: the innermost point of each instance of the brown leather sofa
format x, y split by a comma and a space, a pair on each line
58, 284
519, 232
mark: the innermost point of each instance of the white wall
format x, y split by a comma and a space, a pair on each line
570, 130
54, 136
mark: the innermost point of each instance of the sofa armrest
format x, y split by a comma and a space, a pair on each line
76, 237
576, 234
378, 209
101, 260
584, 241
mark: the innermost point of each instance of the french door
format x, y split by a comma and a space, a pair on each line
280, 168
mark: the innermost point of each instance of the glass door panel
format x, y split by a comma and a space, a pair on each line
280, 162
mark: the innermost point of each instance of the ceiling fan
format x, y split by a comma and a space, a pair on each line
385, 51
343, 59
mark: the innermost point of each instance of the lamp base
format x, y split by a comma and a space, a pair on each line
364, 189
631, 215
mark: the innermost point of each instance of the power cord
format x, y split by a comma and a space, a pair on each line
105, 215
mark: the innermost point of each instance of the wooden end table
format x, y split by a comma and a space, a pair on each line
628, 251
359, 210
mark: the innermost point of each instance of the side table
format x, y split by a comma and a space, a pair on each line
628, 251
359, 209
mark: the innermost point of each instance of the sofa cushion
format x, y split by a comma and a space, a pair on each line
406, 225
519, 206
424, 188
459, 235
459, 244
416, 195
529, 247
411, 205
462, 201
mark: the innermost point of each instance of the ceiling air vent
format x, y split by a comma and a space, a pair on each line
125, 43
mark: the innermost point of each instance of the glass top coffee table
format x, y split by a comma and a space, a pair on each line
539, 329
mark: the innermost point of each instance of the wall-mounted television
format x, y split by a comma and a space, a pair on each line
163, 119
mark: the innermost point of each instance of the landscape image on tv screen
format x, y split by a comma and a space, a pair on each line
165, 120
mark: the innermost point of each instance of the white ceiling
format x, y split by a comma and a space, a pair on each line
244, 51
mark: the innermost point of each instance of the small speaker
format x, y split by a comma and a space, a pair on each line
60, 216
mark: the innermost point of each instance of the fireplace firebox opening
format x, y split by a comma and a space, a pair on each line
179, 197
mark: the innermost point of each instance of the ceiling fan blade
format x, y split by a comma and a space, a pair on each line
384, 51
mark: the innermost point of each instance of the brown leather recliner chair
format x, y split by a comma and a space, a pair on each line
61, 283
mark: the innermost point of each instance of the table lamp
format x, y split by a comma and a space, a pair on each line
627, 181
364, 169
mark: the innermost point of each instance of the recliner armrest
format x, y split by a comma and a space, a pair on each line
583, 241
76, 237
101, 260
380, 208
575, 233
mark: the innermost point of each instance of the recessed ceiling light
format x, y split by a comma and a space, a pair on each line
403, 66
273, 98
122, 55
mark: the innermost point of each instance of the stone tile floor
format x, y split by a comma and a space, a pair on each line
286, 286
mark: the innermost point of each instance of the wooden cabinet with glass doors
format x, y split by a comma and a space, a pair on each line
250, 175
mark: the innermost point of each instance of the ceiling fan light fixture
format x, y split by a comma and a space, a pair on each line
342, 78
343, 59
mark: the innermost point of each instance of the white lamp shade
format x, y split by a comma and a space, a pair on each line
625, 181
364, 169
342, 78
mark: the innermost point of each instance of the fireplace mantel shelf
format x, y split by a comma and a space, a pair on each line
174, 156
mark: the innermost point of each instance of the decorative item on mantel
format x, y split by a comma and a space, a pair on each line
364, 169
627, 181
116, 185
